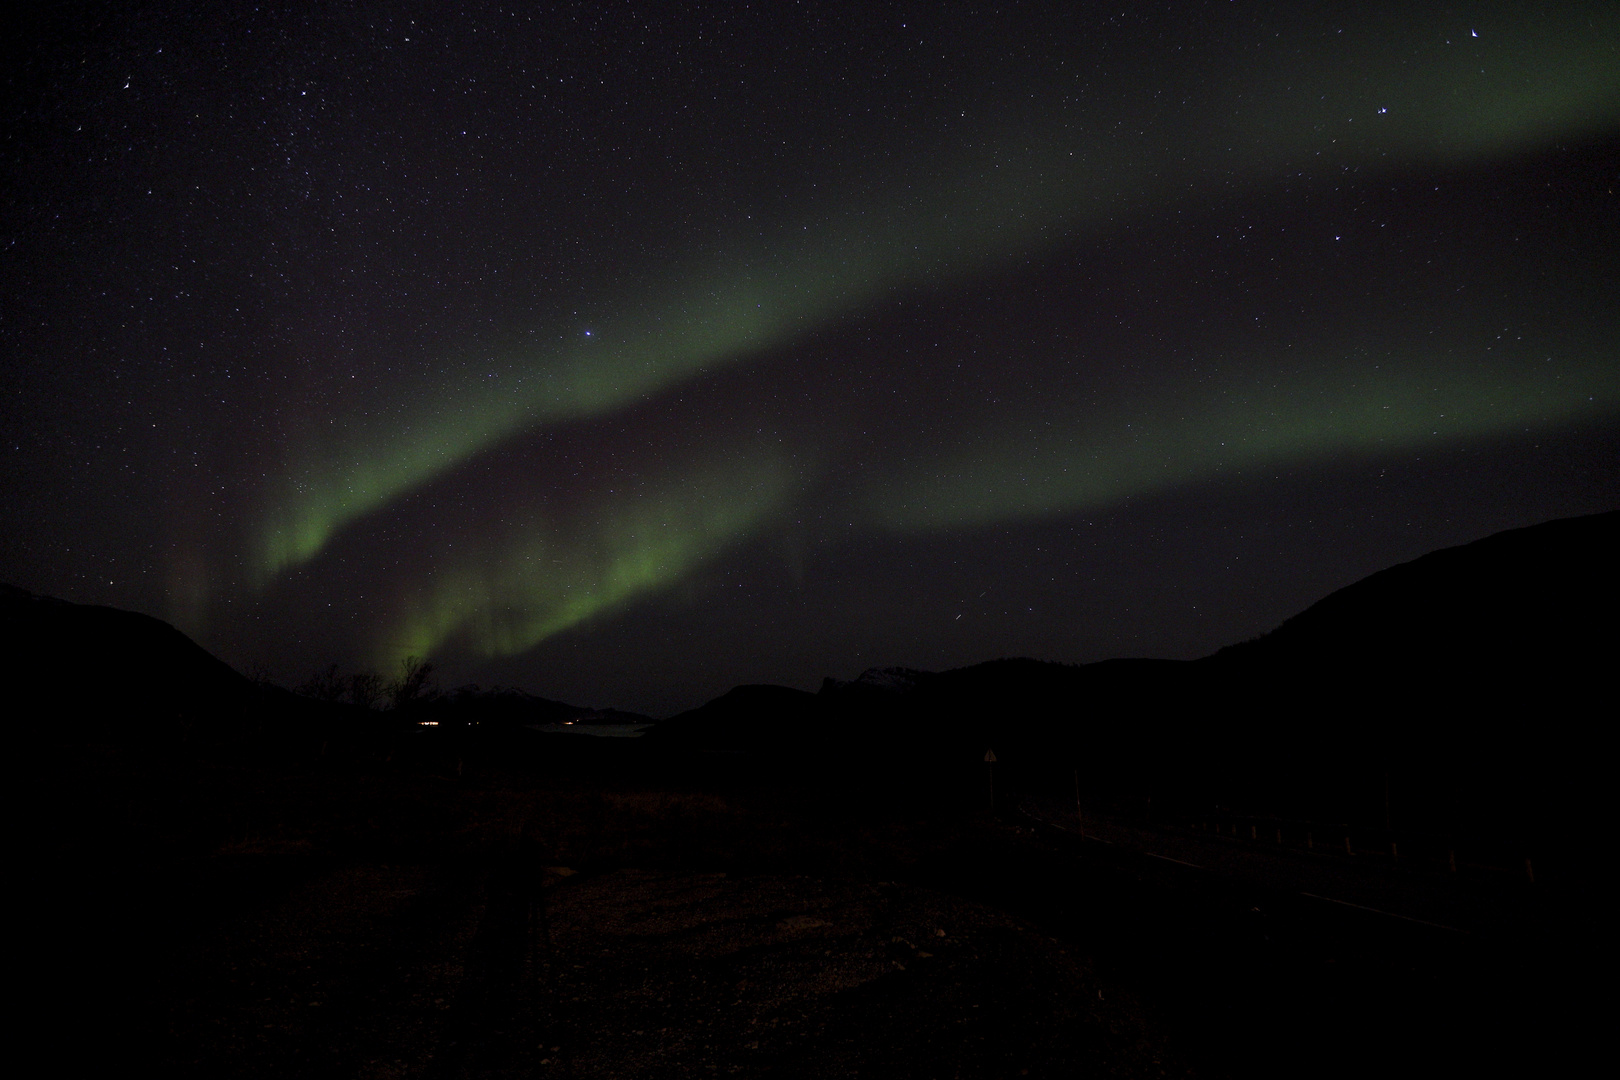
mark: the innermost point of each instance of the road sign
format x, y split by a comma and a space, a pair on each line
989, 755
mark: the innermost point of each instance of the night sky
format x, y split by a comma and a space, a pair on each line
625, 353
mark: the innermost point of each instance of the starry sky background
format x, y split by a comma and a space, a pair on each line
627, 352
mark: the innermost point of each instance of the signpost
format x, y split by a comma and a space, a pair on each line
990, 769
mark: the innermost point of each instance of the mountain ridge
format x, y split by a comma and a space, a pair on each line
1420, 661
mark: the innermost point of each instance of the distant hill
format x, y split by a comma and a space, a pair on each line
1537, 597
84, 673
745, 718
1478, 662
78, 670
1477, 677
1469, 677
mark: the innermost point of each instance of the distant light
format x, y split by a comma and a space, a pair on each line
428, 723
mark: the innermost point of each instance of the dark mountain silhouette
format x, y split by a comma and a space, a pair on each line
893, 680
1507, 612
1467, 683
77, 671
745, 718
1467, 679
1464, 682
90, 674
505, 705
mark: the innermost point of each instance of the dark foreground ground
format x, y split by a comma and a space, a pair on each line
587, 918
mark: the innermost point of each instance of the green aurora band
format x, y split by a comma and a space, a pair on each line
553, 568
1334, 104
1093, 458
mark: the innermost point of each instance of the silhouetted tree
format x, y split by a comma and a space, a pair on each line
365, 689
324, 685
259, 675
414, 685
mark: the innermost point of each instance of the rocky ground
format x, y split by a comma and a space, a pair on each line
669, 974
385, 972
236, 922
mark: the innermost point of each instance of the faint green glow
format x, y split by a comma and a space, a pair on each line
1439, 89
1095, 458
504, 594
1315, 102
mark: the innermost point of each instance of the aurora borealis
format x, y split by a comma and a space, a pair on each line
627, 353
